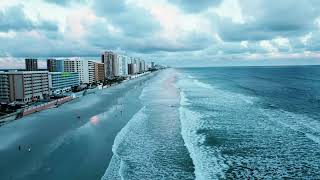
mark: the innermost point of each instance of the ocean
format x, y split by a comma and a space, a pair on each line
223, 123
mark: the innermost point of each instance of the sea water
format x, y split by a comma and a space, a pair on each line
224, 123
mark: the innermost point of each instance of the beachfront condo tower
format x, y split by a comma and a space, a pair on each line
31, 64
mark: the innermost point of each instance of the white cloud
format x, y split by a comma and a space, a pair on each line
306, 38
230, 9
268, 46
244, 44
225, 29
10, 34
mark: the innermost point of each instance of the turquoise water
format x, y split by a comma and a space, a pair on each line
224, 123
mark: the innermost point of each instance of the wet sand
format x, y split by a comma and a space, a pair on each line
73, 141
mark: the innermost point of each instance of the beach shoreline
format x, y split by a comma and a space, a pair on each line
79, 132
20, 113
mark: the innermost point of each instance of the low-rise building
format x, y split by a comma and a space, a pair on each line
23, 86
61, 82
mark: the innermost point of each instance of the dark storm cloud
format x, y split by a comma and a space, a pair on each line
128, 27
268, 19
138, 29
103, 39
43, 47
13, 18
194, 6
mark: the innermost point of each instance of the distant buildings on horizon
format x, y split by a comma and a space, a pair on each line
63, 74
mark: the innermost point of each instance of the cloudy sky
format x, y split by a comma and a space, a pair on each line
174, 32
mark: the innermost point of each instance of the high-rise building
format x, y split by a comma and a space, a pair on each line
122, 66
54, 65
31, 64
82, 67
115, 66
111, 64
4, 87
132, 69
91, 71
137, 64
60, 82
23, 86
141, 65
99, 72
152, 65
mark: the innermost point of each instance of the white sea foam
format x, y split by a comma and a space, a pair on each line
148, 146
132, 125
209, 164
113, 169
122, 137
184, 100
202, 84
208, 161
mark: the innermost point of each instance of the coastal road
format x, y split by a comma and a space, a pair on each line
73, 141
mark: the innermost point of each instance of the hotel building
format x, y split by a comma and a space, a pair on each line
91, 71
83, 67
60, 82
99, 72
111, 64
4, 87
23, 86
